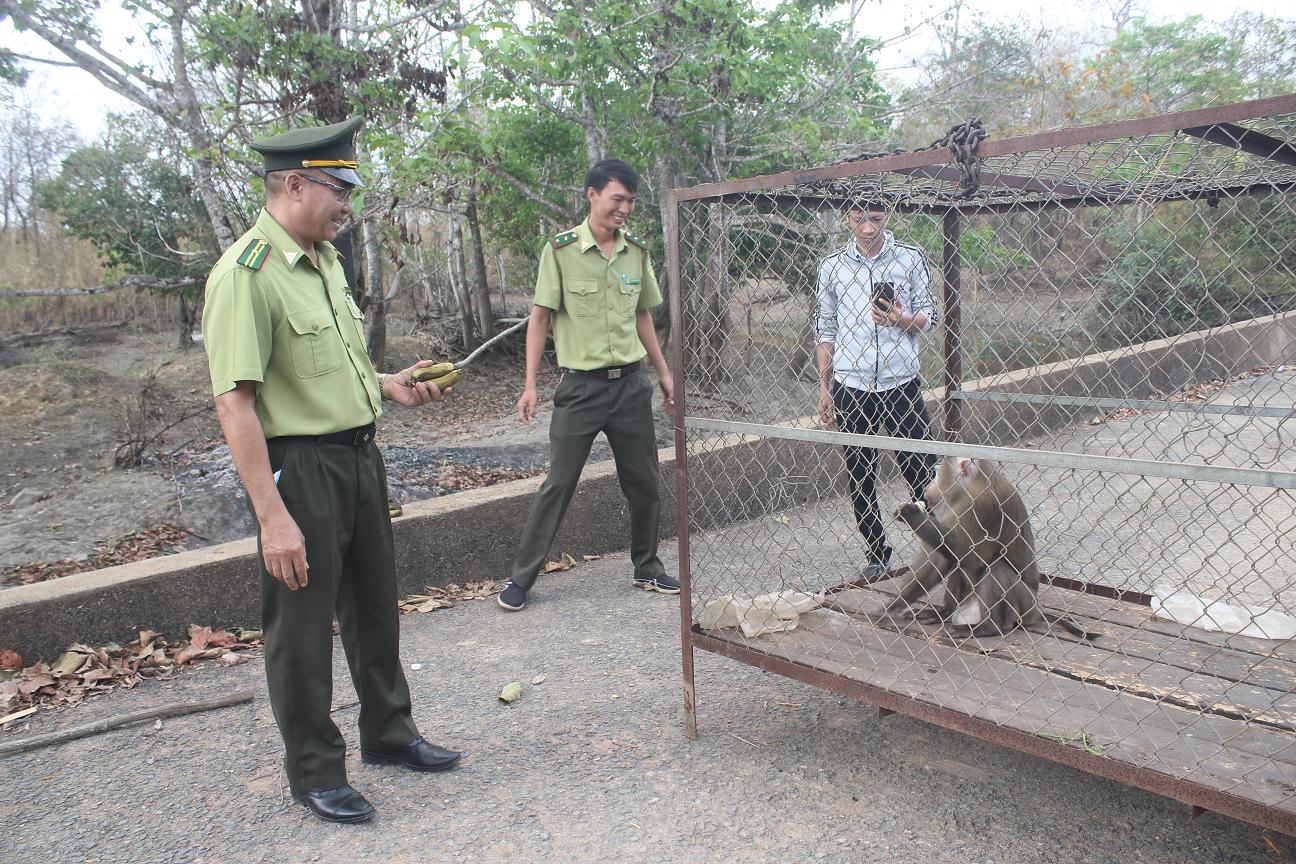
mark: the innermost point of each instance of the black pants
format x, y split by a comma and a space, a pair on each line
900, 412
337, 493
584, 407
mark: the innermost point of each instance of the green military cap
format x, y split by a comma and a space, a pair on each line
330, 148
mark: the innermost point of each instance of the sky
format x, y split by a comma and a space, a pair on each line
73, 95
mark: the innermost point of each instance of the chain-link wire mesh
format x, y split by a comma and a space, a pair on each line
1116, 321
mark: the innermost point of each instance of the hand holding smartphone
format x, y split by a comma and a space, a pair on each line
884, 296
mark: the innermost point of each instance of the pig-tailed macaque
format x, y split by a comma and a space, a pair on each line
977, 540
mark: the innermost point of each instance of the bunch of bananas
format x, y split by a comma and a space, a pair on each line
443, 375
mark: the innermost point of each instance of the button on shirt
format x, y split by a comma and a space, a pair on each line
294, 329
595, 299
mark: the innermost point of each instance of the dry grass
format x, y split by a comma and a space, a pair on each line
58, 261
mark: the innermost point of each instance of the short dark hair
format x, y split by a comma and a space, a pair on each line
274, 183
882, 202
608, 170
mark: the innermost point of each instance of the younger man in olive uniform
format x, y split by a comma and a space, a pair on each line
297, 399
596, 283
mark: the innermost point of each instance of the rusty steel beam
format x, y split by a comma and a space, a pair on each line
1184, 791
1097, 589
993, 178
1070, 137
815, 202
952, 348
673, 277
1246, 140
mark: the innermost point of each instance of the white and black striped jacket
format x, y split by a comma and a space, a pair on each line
866, 356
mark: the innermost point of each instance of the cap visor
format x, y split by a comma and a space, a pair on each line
346, 175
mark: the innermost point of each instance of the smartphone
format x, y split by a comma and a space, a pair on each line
883, 295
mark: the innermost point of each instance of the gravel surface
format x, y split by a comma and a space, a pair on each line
589, 765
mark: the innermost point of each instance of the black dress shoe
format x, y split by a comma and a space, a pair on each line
342, 804
418, 755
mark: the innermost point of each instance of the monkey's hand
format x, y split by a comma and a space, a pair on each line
912, 513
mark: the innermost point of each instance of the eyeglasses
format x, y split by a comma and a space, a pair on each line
343, 192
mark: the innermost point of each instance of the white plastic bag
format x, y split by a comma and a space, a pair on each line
1181, 607
777, 612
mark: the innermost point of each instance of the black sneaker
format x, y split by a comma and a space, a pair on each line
662, 584
512, 598
876, 569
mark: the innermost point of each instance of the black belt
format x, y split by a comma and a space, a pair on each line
357, 437
609, 373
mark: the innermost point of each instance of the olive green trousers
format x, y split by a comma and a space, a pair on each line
337, 493
583, 407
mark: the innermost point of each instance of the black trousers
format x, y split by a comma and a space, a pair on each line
337, 493
900, 412
584, 407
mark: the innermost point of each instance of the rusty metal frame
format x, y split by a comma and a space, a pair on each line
1074, 136
1218, 125
1200, 798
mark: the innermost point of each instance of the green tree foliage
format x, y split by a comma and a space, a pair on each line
1168, 67
694, 92
133, 197
1189, 267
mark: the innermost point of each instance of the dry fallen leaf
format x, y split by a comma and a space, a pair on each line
539, 679
566, 562
511, 692
84, 670
10, 660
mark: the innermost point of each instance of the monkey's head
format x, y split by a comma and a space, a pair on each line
953, 471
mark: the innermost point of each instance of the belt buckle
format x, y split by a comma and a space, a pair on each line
614, 374
363, 436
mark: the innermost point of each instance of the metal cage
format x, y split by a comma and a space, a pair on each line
1117, 324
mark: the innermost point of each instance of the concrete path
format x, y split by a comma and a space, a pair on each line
589, 766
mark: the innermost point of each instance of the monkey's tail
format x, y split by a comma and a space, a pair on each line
1070, 626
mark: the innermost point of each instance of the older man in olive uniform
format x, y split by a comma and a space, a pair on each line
297, 398
596, 284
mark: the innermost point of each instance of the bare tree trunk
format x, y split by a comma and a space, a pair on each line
593, 147
499, 265
454, 265
186, 321
709, 304
376, 343
481, 290
191, 122
666, 175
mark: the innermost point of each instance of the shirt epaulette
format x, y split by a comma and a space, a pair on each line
254, 255
565, 239
638, 241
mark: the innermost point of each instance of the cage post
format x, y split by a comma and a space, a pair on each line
952, 350
672, 233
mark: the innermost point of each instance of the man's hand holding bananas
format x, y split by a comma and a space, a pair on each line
421, 383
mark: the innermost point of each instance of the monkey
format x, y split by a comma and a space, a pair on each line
980, 544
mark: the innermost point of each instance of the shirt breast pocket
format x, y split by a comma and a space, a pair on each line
357, 318
584, 300
629, 295
315, 344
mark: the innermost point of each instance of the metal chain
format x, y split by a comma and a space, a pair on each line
962, 139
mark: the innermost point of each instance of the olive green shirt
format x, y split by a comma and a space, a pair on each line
594, 299
272, 317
